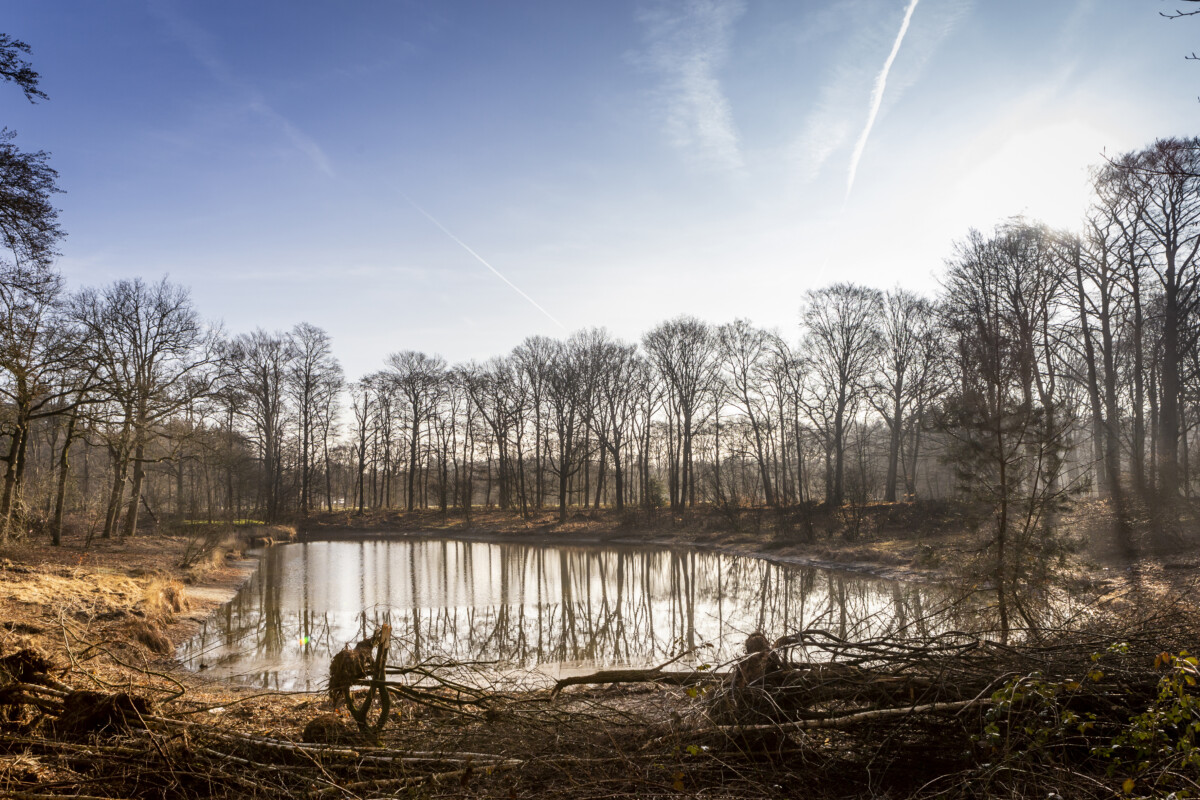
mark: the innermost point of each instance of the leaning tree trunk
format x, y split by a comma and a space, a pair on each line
8, 500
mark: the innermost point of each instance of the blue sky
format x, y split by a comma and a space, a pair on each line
618, 162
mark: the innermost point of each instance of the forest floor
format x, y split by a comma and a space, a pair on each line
107, 617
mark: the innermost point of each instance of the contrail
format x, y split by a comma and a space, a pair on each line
481, 260
877, 97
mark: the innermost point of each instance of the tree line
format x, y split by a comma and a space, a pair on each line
1048, 364
1065, 360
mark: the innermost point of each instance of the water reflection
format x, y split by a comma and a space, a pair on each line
559, 609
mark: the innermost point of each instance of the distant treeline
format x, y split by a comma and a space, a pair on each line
1051, 363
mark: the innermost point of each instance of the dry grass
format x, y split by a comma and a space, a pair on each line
149, 634
102, 592
164, 597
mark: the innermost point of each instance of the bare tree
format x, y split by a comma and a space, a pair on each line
38, 349
617, 382
80, 382
1007, 445
905, 321
841, 342
153, 357
499, 396
1168, 175
313, 373
417, 378
684, 353
331, 384
360, 402
568, 401
1107, 263
28, 220
745, 353
261, 363
532, 359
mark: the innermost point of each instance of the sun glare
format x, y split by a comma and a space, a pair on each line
1040, 172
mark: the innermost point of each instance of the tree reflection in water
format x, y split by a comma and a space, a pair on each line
561, 610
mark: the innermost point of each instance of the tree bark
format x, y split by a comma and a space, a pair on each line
60, 494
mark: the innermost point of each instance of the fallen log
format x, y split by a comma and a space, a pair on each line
652, 675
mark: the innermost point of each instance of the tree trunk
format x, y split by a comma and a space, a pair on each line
893, 469
113, 513
1138, 461
839, 456
60, 494
412, 459
135, 490
10, 482
1168, 415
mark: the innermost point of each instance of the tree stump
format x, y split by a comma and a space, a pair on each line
376, 688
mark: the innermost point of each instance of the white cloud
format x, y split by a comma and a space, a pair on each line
877, 97
687, 44
852, 77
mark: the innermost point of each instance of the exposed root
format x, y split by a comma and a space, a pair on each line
24, 666
87, 712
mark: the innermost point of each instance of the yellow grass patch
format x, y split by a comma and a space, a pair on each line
164, 598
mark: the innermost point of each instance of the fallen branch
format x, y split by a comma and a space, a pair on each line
849, 720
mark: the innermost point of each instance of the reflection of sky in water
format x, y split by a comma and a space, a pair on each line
560, 609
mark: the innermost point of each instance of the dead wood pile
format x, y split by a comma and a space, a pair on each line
955, 714
811, 714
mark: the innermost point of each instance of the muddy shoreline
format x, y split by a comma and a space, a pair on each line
207, 596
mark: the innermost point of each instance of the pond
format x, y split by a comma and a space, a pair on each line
557, 610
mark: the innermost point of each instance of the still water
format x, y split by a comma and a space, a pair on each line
553, 609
